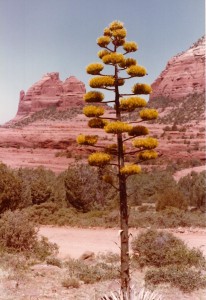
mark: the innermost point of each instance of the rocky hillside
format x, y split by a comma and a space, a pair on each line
179, 91
183, 75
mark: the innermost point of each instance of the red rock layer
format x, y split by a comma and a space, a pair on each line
51, 91
184, 74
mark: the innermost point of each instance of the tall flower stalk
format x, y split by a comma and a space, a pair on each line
114, 53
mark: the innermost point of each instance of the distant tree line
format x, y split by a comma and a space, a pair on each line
81, 187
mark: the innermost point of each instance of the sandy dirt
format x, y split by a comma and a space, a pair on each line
73, 242
44, 282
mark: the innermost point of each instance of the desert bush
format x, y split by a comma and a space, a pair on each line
199, 191
90, 274
40, 184
85, 189
70, 282
10, 189
185, 279
108, 257
54, 261
50, 213
40, 192
193, 186
171, 197
18, 234
161, 248
145, 187
171, 217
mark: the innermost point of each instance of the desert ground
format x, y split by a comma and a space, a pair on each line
73, 242
44, 282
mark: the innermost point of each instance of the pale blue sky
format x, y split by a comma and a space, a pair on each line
41, 36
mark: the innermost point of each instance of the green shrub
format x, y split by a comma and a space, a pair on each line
170, 197
43, 248
171, 217
85, 189
40, 185
18, 234
161, 248
10, 189
146, 186
185, 279
50, 213
193, 186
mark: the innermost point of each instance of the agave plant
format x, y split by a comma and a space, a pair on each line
143, 294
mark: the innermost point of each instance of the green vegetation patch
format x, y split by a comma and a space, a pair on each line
169, 260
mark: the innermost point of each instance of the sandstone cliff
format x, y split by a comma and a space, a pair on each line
50, 91
183, 75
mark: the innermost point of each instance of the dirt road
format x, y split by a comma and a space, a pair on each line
75, 241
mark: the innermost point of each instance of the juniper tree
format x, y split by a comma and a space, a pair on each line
127, 134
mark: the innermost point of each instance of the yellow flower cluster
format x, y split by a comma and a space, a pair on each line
131, 103
93, 111
107, 32
128, 62
103, 41
119, 33
120, 81
93, 96
141, 89
116, 25
107, 179
99, 159
138, 71
89, 140
113, 58
138, 130
130, 46
94, 68
101, 81
148, 114
130, 169
102, 53
146, 143
148, 154
118, 42
117, 127
97, 123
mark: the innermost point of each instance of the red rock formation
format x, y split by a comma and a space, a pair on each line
184, 74
51, 91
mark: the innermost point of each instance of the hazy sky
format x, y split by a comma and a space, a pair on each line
41, 36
